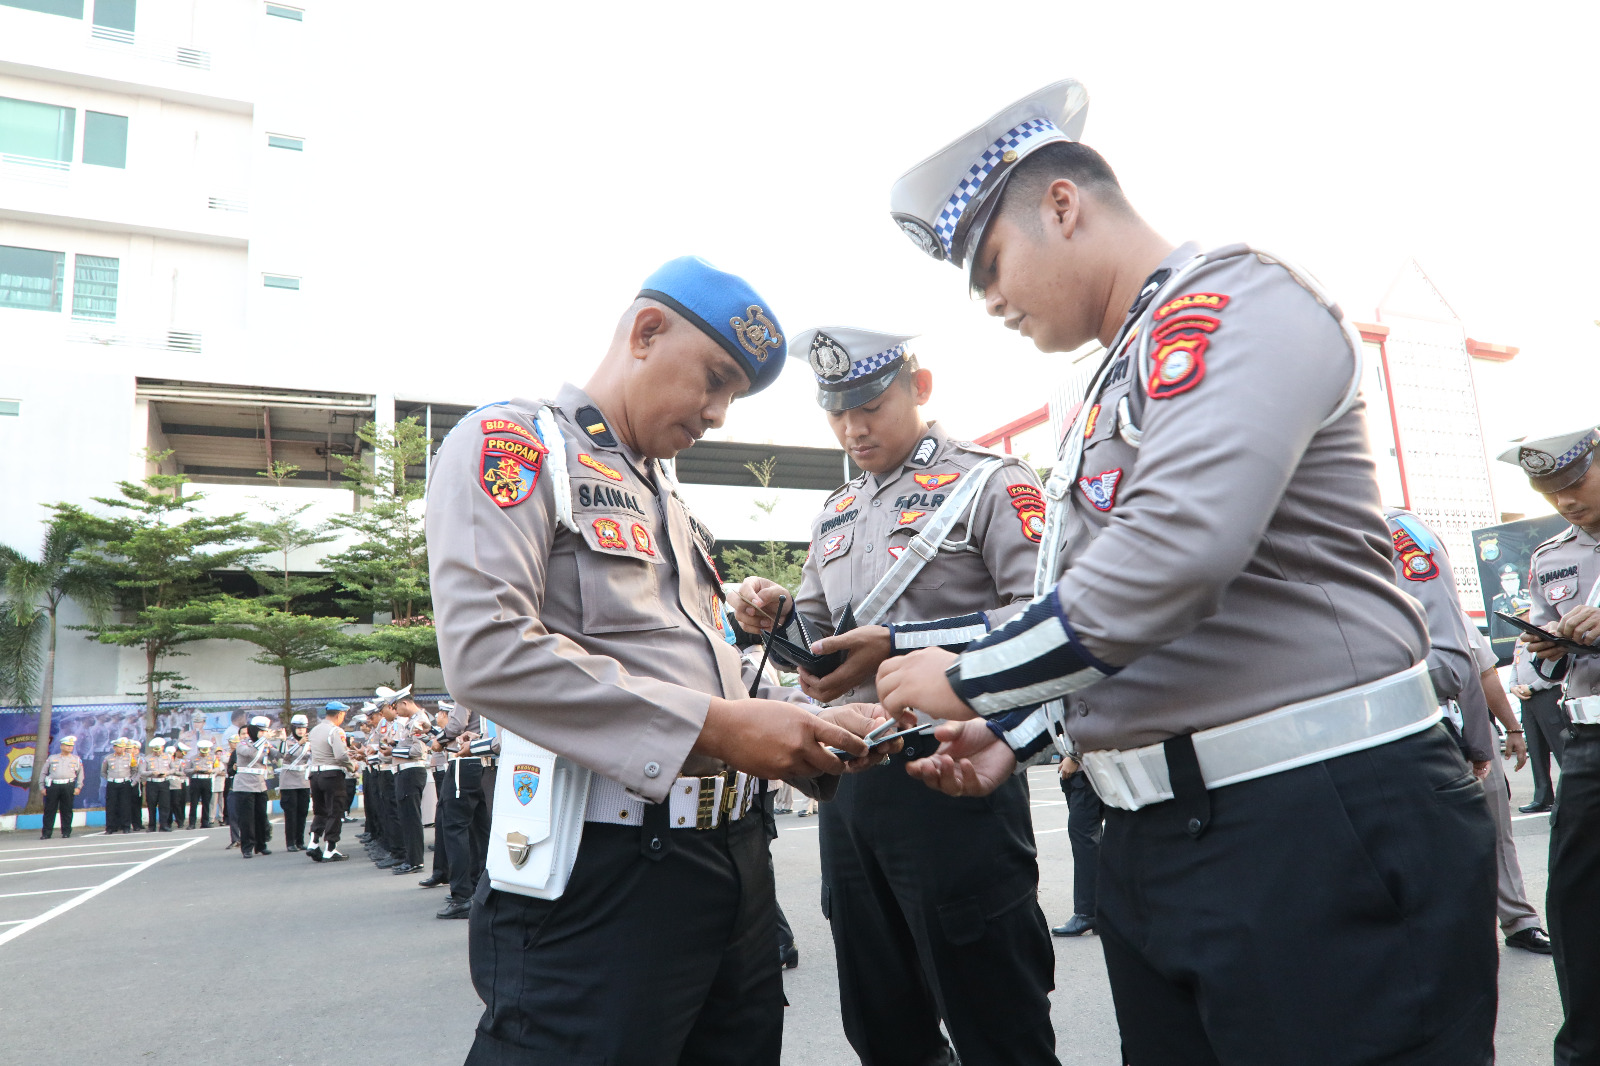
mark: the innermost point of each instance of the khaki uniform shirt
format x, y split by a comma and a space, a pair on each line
1565, 569
985, 564
1236, 559
154, 769
60, 767
413, 731
116, 767
198, 765
293, 771
329, 749
256, 754
605, 644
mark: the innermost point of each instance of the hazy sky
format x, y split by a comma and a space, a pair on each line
499, 178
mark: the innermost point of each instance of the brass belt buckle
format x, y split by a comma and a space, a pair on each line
706, 813
729, 792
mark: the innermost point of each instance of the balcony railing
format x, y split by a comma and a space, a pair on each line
39, 171
125, 41
172, 340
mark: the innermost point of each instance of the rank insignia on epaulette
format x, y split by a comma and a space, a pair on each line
924, 453
934, 481
509, 470
598, 467
594, 426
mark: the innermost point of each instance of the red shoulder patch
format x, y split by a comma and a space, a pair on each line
505, 425
509, 469
1030, 509
1180, 365
1213, 301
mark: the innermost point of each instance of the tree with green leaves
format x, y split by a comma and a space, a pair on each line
31, 594
157, 550
386, 570
775, 561
289, 641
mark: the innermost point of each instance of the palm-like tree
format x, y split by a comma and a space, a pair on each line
31, 594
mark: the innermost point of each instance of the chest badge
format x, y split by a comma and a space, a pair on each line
896, 550
832, 544
609, 533
641, 540
1557, 593
934, 481
598, 467
1101, 490
839, 507
908, 517
1088, 424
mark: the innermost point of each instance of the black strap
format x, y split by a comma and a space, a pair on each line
655, 834
1188, 785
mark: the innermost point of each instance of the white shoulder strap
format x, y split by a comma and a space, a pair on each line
925, 545
550, 433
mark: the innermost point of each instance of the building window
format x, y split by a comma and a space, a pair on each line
94, 288
38, 131
105, 139
72, 9
286, 12
31, 278
114, 14
294, 144
280, 281
10, 407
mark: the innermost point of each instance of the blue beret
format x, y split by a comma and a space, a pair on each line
727, 310
334, 707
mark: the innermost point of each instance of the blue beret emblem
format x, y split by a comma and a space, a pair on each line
756, 332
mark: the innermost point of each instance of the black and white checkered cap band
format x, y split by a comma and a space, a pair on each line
1576, 451
870, 364
1029, 132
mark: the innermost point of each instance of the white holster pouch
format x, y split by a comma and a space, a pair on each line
539, 800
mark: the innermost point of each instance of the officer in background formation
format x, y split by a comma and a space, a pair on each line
155, 772
439, 770
252, 765
1086, 817
578, 607
331, 768
118, 772
465, 816
230, 774
178, 781
200, 768
1313, 886
388, 850
1565, 588
62, 778
294, 786
408, 746
932, 900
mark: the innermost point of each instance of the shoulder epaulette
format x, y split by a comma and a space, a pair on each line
1564, 535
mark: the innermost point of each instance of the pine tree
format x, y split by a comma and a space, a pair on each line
386, 570
157, 550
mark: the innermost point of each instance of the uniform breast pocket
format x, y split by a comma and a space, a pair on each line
622, 579
931, 576
834, 545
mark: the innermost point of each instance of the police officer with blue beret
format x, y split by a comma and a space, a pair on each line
579, 609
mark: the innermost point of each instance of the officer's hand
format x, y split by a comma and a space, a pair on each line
774, 740
755, 604
1069, 766
1480, 770
868, 646
1522, 692
971, 760
1517, 745
1544, 649
1581, 624
861, 719
77, 792
917, 682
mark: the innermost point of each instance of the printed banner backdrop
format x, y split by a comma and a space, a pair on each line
1503, 553
97, 725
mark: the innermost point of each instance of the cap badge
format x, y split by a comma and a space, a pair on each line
1536, 462
756, 333
922, 236
828, 360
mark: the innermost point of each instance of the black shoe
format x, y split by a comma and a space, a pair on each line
1535, 940
314, 854
231, 844
247, 854
389, 863
364, 838
66, 836
152, 829
1534, 808
1077, 925
166, 829
292, 847
433, 881
405, 868
263, 851
456, 908
335, 856
191, 825
44, 836
790, 958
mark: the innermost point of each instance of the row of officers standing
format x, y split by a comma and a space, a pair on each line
1203, 604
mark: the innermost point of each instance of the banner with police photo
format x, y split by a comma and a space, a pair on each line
1503, 553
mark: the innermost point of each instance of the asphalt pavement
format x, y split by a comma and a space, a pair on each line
168, 949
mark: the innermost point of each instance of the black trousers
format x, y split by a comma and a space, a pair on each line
1086, 817
658, 953
327, 797
466, 828
295, 803
136, 801
200, 801
369, 803
1573, 903
408, 786
385, 815
158, 805
443, 790
120, 805
230, 811
250, 812
177, 800
58, 803
1544, 727
933, 903
1336, 914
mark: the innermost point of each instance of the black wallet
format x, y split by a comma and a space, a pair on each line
791, 642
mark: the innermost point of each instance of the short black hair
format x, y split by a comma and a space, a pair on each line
908, 371
1078, 163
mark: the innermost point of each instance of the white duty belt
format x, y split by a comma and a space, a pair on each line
693, 802
1585, 710
256, 770
1300, 734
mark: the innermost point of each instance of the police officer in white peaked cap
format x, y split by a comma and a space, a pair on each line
1565, 588
1297, 863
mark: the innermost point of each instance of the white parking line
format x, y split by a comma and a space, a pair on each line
62, 908
53, 869
1042, 832
71, 847
45, 892
96, 855
800, 828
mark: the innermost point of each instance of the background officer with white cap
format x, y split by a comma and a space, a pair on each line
155, 772
578, 608
294, 785
1312, 886
117, 771
1565, 588
252, 763
932, 900
200, 768
62, 777
330, 760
